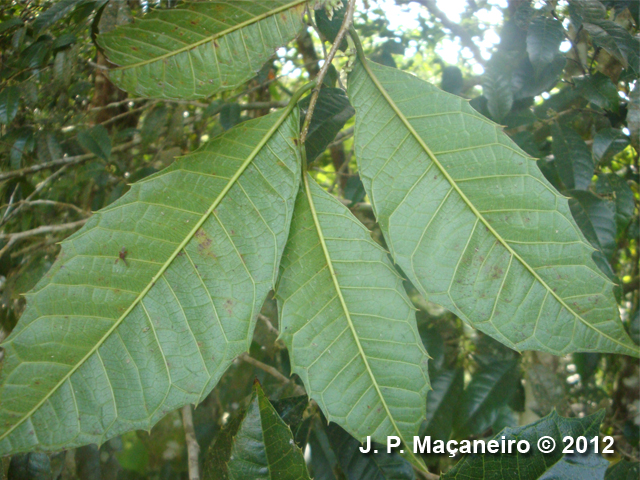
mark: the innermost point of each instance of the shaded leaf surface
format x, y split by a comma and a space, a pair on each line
443, 403
608, 142
370, 466
623, 470
596, 218
338, 295
30, 466
149, 303
599, 90
97, 141
572, 157
544, 37
514, 263
54, 13
496, 87
616, 40
611, 184
534, 464
256, 445
332, 111
490, 389
198, 49
9, 102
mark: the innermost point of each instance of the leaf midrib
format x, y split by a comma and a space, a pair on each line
343, 303
484, 221
285, 114
211, 38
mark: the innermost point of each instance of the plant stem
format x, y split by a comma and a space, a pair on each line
346, 24
193, 449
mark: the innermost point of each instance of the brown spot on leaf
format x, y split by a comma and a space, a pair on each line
228, 305
496, 272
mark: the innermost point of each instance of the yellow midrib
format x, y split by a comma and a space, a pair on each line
455, 186
343, 303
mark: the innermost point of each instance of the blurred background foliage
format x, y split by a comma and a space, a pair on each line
561, 76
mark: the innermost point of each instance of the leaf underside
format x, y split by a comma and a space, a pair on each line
473, 223
149, 303
198, 49
352, 336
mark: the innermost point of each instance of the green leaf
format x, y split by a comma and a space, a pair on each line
473, 223
633, 116
611, 184
149, 303
9, 103
153, 124
9, 24
496, 87
291, 409
97, 141
64, 41
607, 143
354, 190
599, 90
544, 37
586, 11
330, 27
56, 12
616, 40
371, 466
623, 470
536, 465
256, 445
490, 389
572, 157
30, 466
443, 403
596, 219
634, 327
323, 462
229, 115
338, 295
24, 142
331, 112
201, 48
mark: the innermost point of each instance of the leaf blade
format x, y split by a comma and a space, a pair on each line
319, 281
483, 159
182, 227
201, 48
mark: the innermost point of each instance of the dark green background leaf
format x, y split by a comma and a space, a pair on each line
536, 465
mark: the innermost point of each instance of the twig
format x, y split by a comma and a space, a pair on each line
341, 171
342, 136
428, 475
11, 198
12, 238
193, 449
53, 204
75, 160
41, 186
271, 371
346, 23
268, 323
43, 229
